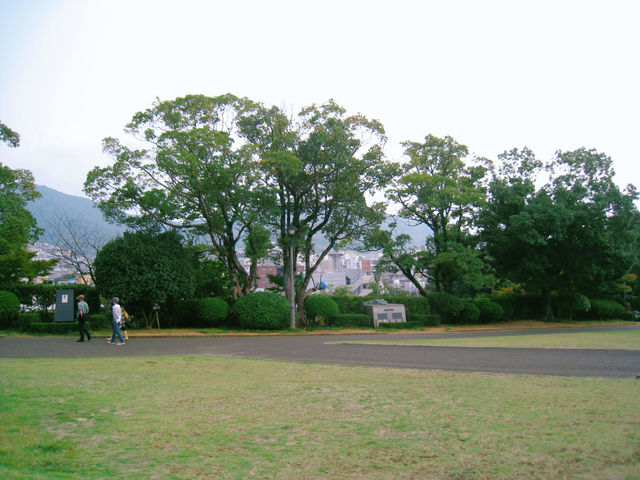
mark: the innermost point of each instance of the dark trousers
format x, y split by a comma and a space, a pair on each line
83, 327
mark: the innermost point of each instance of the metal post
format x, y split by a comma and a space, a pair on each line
292, 281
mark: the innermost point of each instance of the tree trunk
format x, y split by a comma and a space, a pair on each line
546, 304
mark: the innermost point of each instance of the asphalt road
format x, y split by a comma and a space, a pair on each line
321, 349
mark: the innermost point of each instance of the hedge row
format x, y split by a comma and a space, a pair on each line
493, 308
270, 311
40, 297
9, 308
30, 322
349, 320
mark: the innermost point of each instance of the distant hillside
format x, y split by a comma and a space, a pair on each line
418, 233
54, 205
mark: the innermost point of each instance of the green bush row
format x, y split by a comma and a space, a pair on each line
352, 304
39, 297
402, 325
493, 308
9, 309
428, 320
52, 327
262, 311
603, 309
270, 311
450, 308
30, 322
349, 320
318, 308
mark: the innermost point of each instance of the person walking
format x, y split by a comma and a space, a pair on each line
83, 318
123, 324
116, 313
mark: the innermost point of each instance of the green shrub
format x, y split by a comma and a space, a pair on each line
606, 309
101, 321
520, 306
183, 313
568, 303
629, 317
41, 296
9, 309
432, 320
349, 303
25, 319
419, 305
318, 308
490, 311
38, 296
446, 305
212, 311
53, 327
350, 320
428, 320
469, 313
263, 311
23, 323
401, 325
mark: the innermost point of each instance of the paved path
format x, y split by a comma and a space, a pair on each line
321, 349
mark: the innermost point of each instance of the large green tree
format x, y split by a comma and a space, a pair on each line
573, 235
8, 136
144, 269
441, 187
197, 172
321, 170
17, 226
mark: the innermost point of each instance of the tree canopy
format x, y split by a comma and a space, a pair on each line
143, 269
320, 170
238, 173
196, 174
576, 234
234, 177
8, 136
18, 228
441, 187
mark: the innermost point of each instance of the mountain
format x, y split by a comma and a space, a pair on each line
54, 207
418, 233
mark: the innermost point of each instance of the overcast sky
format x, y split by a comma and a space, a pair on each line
550, 75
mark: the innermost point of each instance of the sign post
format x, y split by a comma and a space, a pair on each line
65, 306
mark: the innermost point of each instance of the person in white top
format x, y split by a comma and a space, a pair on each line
116, 312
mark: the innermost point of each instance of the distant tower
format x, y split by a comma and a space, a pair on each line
335, 258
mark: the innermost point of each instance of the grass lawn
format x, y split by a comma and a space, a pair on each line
207, 417
625, 339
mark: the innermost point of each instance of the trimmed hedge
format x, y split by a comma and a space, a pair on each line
212, 311
263, 311
41, 296
30, 322
446, 305
401, 325
318, 308
428, 320
470, 312
519, 306
51, 327
490, 311
9, 308
349, 303
412, 305
101, 321
605, 309
353, 304
350, 320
